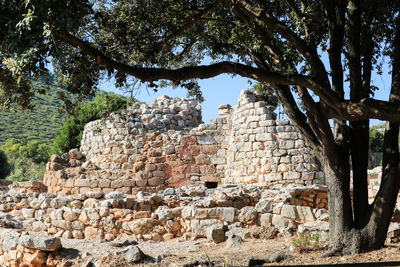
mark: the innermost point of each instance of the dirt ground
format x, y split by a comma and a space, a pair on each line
178, 252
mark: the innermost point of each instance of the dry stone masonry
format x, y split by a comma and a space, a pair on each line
187, 212
155, 172
164, 144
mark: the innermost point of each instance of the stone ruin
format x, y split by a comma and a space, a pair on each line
156, 173
164, 144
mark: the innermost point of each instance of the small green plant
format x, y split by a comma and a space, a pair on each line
69, 203
209, 261
306, 242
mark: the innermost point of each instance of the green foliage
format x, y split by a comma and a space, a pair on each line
71, 133
5, 167
39, 124
306, 242
26, 162
35, 151
267, 92
376, 138
26, 169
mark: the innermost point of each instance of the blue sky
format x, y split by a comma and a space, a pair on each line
225, 89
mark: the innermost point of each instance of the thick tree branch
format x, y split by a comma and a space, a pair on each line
336, 36
290, 106
310, 53
346, 110
296, 116
272, 49
200, 72
354, 49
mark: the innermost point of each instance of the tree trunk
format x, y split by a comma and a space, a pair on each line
345, 236
340, 212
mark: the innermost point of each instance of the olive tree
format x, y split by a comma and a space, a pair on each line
277, 42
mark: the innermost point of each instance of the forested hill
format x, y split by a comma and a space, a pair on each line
41, 124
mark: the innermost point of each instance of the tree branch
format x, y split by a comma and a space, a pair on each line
336, 36
345, 110
193, 72
311, 55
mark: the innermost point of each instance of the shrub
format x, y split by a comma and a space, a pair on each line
71, 133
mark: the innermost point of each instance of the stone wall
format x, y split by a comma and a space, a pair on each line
164, 144
182, 212
265, 150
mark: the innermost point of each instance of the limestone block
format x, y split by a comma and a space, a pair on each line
77, 225
28, 213
266, 219
282, 122
40, 242
93, 233
248, 215
206, 140
82, 182
282, 223
142, 226
63, 224
77, 234
92, 214
155, 181
95, 194
227, 214
70, 216
286, 144
216, 233
207, 169
291, 175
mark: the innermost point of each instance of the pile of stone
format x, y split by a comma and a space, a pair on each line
182, 212
27, 250
29, 187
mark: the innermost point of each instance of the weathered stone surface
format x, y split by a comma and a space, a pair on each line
95, 194
142, 226
227, 214
265, 205
28, 213
266, 219
133, 254
282, 223
216, 233
243, 233
248, 214
40, 242
233, 241
114, 195
10, 242
93, 233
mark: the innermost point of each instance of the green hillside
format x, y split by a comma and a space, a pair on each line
40, 124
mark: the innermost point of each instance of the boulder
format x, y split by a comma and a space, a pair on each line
133, 254
234, 241
248, 215
216, 233
239, 231
227, 214
45, 243
114, 195
265, 205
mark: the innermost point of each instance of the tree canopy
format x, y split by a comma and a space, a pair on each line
278, 42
